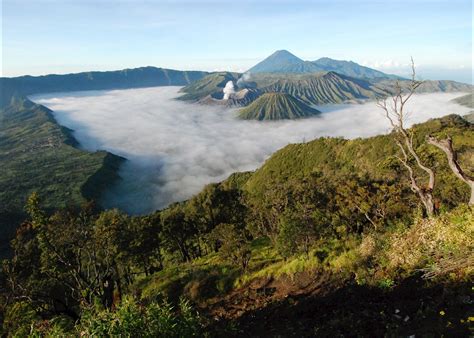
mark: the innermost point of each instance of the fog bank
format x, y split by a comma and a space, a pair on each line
175, 148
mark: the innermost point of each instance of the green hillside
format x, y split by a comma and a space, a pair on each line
276, 106
36, 154
326, 238
372, 156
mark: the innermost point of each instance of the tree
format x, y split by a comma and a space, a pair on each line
177, 232
446, 146
361, 200
396, 114
233, 244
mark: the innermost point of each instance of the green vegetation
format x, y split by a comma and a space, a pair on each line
276, 106
325, 238
36, 154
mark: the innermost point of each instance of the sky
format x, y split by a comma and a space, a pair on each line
63, 36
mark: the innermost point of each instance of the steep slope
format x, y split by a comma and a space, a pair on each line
283, 61
322, 89
276, 106
36, 154
371, 157
121, 79
352, 69
211, 84
466, 100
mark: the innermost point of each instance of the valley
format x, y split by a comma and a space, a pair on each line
175, 148
239, 198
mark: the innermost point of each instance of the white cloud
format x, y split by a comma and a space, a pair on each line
175, 148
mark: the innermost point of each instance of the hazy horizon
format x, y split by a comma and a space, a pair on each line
212, 35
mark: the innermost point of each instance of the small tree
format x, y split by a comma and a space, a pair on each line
233, 244
395, 112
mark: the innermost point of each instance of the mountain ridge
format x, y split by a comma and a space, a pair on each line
283, 61
95, 80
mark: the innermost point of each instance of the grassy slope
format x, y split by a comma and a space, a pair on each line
36, 154
366, 284
276, 106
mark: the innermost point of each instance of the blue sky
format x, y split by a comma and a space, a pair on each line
41, 37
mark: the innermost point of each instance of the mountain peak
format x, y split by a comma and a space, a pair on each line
284, 53
282, 61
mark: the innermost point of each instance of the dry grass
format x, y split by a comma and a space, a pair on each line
438, 246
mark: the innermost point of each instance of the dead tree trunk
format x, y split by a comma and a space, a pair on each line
425, 194
447, 147
395, 113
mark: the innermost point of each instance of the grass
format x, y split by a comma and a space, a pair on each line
437, 248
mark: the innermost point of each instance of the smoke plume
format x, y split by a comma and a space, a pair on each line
228, 90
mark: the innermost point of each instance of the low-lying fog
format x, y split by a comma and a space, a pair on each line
175, 148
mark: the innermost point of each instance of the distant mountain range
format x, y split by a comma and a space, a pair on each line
283, 61
324, 81
120, 79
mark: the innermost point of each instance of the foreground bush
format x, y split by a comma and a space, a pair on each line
129, 319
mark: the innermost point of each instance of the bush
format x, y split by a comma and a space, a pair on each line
132, 319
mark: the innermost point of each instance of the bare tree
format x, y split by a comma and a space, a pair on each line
446, 146
394, 108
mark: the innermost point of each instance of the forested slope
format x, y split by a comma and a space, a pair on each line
36, 154
325, 238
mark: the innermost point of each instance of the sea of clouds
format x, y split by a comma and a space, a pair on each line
176, 148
